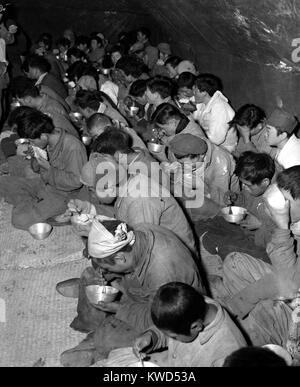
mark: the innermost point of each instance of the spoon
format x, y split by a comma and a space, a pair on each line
141, 360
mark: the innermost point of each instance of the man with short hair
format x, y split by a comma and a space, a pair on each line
159, 91
143, 42
281, 126
98, 123
255, 172
29, 95
214, 112
197, 330
37, 200
38, 70
251, 286
91, 102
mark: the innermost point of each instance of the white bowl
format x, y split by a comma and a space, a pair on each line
238, 214
105, 71
40, 231
96, 293
86, 140
155, 148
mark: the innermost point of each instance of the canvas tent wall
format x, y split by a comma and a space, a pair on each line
253, 45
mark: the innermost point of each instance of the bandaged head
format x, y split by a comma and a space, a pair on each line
103, 244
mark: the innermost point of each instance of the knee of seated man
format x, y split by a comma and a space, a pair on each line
20, 221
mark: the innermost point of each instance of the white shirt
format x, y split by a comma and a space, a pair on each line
3, 51
289, 156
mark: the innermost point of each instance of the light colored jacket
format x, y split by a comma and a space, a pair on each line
211, 347
214, 118
282, 280
142, 200
165, 259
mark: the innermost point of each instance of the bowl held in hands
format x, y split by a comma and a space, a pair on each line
40, 231
155, 148
237, 215
97, 294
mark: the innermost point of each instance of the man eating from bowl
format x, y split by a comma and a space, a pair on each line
137, 262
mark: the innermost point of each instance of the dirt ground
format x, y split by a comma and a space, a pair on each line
34, 318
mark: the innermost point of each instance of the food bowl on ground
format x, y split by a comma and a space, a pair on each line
97, 294
40, 231
280, 351
86, 140
155, 148
237, 215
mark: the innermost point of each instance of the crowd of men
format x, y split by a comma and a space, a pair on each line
140, 151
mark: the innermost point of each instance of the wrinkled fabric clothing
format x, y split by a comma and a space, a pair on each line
223, 238
217, 341
144, 201
214, 118
164, 259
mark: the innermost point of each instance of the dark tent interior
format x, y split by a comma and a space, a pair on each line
252, 45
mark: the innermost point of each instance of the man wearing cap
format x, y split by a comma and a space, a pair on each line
186, 66
138, 261
211, 166
137, 196
280, 135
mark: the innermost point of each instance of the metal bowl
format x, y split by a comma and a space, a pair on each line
40, 231
14, 105
105, 71
96, 293
22, 141
76, 117
86, 140
134, 110
238, 214
155, 148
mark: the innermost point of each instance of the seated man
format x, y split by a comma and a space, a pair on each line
249, 121
185, 95
255, 172
138, 261
136, 197
97, 124
197, 330
37, 200
172, 122
281, 126
214, 112
91, 102
29, 95
38, 70
252, 286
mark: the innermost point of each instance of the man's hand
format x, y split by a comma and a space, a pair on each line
80, 207
143, 345
230, 197
251, 223
35, 166
108, 307
44, 164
